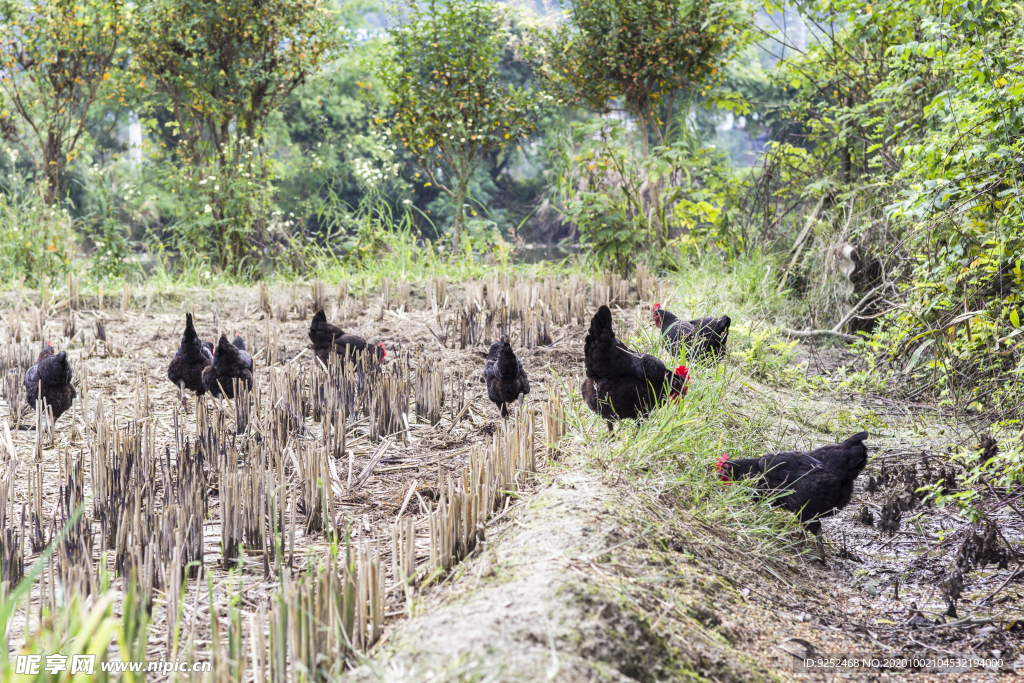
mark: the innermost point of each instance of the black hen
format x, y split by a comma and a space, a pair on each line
504, 375
622, 383
328, 339
229, 362
50, 378
239, 344
816, 484
191, 358
702, 336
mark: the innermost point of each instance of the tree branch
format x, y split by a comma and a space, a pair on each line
815, 334
846, 318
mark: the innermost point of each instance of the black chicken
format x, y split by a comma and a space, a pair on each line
818, 483
702, 336
328, 338
191, 358
229, 362
504, 375
50, 379
622, 383
239, 344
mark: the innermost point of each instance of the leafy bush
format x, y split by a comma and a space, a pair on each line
449, 104
644, 56
605, 185
908, 123
35, 240
600, 181
962, 201
57, 57
219, 69
1002, 469
220, 215
114, 197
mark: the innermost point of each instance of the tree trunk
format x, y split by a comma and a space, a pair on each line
53, 163
845, 162
659, 228
653, 188
460, 198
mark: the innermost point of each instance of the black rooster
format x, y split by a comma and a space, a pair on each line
192, 357
621, 383
229, 362
702, 336
505, 377
328, 339
50, 379
815, 484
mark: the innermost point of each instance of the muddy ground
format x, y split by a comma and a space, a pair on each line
572, 584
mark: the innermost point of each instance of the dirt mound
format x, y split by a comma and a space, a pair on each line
545, 601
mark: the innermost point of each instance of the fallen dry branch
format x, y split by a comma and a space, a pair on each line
816, 334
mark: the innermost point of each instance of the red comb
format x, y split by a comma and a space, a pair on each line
655, 307
383, 351
684, 372
718, 468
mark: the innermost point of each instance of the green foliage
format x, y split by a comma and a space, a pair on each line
221, 68
225, 65
57, 58
600, 181
133, 631
323, 138
449, 106
357, 237
107, 225
605, 189
36, 240
222, 215
906, 119
1003, 471
700, 193
643, 51
961, 191
764, 356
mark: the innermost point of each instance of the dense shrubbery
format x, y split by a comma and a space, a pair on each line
906, 118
